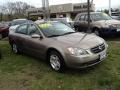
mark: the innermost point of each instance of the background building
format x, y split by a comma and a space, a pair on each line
66, 10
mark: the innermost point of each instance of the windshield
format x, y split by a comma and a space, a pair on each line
55, 29
100, 16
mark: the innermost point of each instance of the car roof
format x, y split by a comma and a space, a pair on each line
90, 13
46, 22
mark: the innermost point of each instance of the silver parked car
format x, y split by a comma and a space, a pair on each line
100, 23
59, 44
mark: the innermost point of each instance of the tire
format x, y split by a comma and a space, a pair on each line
15, 49
56, 61
96, 32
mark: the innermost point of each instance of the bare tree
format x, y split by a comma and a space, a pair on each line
13, 8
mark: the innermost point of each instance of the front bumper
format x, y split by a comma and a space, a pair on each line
109, 31
84, 61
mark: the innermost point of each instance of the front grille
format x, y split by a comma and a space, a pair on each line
98, 48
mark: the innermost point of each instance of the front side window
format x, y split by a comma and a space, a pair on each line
22, 29
86, 18
82, 18
33, 30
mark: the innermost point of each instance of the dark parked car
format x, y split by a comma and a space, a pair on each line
101, 23
4, 30
59, 44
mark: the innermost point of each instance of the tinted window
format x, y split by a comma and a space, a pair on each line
22, 29
33, 30
82, 18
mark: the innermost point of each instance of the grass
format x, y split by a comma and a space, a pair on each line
21, 72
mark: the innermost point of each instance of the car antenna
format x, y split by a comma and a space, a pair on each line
83, 37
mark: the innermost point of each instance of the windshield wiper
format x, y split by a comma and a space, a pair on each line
68, 33
61, 34
54, 35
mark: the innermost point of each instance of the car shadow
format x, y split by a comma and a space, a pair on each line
82, 71
117, 39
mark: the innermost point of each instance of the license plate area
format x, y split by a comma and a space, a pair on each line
118, 30
102, 55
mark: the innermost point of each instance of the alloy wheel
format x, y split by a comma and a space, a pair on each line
55, 62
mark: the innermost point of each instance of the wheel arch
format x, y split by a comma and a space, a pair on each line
53, 49
94, 28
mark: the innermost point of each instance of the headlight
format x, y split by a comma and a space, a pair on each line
106, 44
77, 51
112, 26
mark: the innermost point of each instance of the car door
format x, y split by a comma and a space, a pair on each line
80, 22
35, 46
20, 36
86, 22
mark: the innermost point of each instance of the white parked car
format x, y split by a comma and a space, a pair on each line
16, 22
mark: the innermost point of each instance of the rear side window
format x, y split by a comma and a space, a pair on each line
33, 30
86, 18
82, 18
22, 29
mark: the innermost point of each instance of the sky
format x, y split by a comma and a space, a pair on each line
99, 4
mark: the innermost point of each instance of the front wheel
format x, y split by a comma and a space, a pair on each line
56, 61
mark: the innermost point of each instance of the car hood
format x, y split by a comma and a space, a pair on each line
80, 40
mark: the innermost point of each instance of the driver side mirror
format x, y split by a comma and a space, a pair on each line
36, 36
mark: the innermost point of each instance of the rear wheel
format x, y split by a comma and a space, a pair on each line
56, 61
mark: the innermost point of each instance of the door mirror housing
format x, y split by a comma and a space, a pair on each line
36, 36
